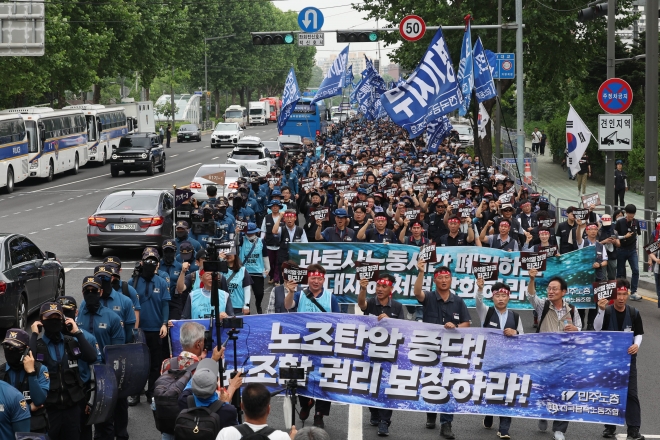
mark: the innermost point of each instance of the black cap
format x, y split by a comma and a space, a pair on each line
114, 261
16, 338
51, 308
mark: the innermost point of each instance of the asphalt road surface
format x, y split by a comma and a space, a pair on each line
54, 215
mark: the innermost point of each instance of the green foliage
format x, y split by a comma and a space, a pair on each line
166, 110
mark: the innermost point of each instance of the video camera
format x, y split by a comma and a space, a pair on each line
214, 247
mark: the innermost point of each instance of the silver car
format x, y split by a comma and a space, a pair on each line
208, 175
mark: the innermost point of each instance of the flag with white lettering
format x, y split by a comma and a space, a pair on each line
335, 79
484, 86
577, 139
465, 74
492, 61
349, 75
436, 132
430, 92
290, 97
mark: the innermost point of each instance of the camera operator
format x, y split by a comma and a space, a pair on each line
26, 375
314, 299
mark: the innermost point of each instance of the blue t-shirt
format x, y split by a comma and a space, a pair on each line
104, 324
121, 305
132, 293
153, 295
14, 409
42, 379
173, 272
83, 367
334, 305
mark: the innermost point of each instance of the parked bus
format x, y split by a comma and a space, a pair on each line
57, 140
274, 107
13, 151
105, 126
307, 120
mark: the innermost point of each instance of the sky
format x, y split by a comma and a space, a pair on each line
339, 15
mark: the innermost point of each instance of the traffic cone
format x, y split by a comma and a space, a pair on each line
528, 173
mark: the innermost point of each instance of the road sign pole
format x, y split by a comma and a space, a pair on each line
520, 138
651, 110
609, 155
498, 122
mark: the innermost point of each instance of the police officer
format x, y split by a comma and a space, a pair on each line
115, 301
60, 353
254, 256
124, 287
225, 223
187, 255
105, 324
620, 184
15, 416
169, 265
154, 295
28, 376
183, 235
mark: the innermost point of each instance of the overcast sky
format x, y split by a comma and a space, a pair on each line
338, 14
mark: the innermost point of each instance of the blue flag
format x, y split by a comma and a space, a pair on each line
437, 131
349, 75
335, 79
492, 61
484, 86
466, 71
429, 93
290, 97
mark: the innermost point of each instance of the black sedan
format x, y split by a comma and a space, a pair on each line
29, 277
189, 132
131, 219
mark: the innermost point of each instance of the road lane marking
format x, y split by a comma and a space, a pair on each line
39, 207
28, 210
71, 221
51, 204
17, 212
4, 216
174, 155
190, 151
33, 232
648, 298
208, 146
60, 224
153, 177
45, 229
65, 184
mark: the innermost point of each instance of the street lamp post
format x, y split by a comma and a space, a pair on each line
206, 72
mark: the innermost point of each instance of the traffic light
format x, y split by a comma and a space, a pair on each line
593, 12
270, 38
363, 36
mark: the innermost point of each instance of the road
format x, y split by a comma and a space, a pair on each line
54, 215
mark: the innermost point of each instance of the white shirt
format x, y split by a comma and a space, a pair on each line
231, 433
482, 310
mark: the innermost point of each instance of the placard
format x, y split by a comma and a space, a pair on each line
547, 222
322, 214
604, 290
390, 192
241, 225
412, 214
505, 198
430, 193
181, 195
427, 253
487, 271
465, 186
360, 205
550, 251
275, 181
652, 248
444, 195
382, 183
590, 200
307, 183
294, 273
349, 196
533, 260
367, 271
581, 214
465, 211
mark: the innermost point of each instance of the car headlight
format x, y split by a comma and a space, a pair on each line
93, 150
114, 156
144, 155
34, 164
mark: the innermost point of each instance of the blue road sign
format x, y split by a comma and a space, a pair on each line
505, 67
310, 19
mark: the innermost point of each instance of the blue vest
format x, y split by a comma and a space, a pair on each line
200, 304
306, 306
235, 287
254, 264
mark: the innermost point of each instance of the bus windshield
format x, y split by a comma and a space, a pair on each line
234, 114
256, 111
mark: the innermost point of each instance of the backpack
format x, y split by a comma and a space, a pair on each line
124, 289
248, 434
198, 422
168, 388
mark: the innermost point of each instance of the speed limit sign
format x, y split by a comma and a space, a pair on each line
412, 27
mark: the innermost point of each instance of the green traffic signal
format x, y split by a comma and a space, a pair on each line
288, 39
271, 38
373, 36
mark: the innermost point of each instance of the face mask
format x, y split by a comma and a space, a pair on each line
92, 300
115, 283
13, 358
182, 235
106, 286
168, 257
70, 313
148, 270
52, 327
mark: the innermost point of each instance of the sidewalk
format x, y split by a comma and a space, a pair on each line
555, 181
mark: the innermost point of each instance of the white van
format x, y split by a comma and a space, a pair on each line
259, 113
237, 114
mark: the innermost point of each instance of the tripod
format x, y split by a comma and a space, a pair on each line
232, 335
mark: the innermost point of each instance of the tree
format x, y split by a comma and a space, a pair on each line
316, 79
166, 110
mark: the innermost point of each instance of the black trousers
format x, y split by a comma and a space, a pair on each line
381, 414
588, 324
168, 141
322, 406
105, 430
619, 195
633, 409
121, 419
64, 423
258, 291
155, 345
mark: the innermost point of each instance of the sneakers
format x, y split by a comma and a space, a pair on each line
430, 420
636, 297
304, 411
543, 425
503, 435
374, 422
488, 422
133, 400
610, 432
383, 429
559, 436
445, 431
318, 421
634, 434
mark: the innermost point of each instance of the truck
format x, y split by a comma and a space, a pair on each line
259, 113
237, 114
139, 115
275, 106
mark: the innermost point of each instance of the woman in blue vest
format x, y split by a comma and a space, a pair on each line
198, 305
254, 256
239, 282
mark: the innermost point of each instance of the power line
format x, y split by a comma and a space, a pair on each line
561, 10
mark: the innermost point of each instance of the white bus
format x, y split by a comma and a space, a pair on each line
105, 126
13, 151
57, 140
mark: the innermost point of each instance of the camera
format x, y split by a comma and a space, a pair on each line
292, 373
216, 266
137, 270
232, 323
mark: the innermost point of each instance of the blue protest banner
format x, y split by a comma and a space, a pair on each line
349, 75
484, 86
415, 366
430, 92
465, 74
437, 131
335, 79
401, 261
492, 61
290, 97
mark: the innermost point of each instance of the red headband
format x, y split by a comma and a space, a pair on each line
290, 214
385, 282
592, 227
503, 290
622, 289
453, 220
442, 272
315, 274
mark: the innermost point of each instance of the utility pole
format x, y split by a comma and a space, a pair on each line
520, 116
651, 109
609, 155
498, 85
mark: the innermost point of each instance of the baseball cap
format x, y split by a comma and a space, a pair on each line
186, 247
507, 206
114, 261
90, 282
181, 224
102, 271
205, 380
16, 338
67, 302
150, 253
341, 213
51, 308
169, 244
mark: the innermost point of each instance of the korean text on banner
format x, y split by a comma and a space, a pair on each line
290, 98
335, 79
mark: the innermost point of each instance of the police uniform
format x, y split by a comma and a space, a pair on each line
181, 237
15, 414
105, 324
34, 386
118, 303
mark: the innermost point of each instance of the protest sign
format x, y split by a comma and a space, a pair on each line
487, 271
590, 200
444, 195
349, 196
412, 214
427, 253
652, 248
547, 222
307, 183
604, 290
322, 214
241, 225
367, 271
533, 260
550, 251
580, 214
294, 273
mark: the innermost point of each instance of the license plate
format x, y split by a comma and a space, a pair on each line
124, 226
187, 137
129, 160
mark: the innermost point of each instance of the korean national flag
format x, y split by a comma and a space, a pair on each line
484, 86
290, 97
429, 93
466, 71
577, 139
335, 79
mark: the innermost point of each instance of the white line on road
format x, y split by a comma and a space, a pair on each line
153, 177
60, 224
39, 207
17, 212
51, 204
45, 229
28, 210
78, 268
208, 146
71, 221
214, 158
33, 232
81, 218
174, 155
65, 184
190, 151
60, 201
66, 269
4, 216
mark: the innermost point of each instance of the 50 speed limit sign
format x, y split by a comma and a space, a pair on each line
412, 28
